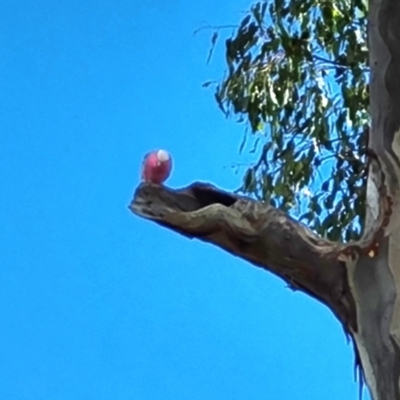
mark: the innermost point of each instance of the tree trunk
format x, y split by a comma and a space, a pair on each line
358, 281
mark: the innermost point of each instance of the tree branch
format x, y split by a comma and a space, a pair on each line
256, 232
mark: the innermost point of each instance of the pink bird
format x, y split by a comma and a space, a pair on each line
156, 166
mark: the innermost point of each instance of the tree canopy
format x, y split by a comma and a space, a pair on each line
297, 76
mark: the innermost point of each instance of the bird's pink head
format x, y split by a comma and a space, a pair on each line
157, 166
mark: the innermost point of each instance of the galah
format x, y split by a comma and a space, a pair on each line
156, 166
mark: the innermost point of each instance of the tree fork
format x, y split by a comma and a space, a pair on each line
262, 235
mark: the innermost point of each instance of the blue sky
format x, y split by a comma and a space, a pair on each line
96, 303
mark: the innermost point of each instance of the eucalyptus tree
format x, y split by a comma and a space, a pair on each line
318, 90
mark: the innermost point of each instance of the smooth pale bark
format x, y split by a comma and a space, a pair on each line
360, 281
375, 282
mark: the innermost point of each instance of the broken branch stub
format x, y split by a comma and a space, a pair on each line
256, 232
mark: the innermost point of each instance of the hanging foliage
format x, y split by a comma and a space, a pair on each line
297, 73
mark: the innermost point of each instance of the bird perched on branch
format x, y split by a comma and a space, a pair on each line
156, 166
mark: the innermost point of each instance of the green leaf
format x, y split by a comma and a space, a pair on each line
296, 77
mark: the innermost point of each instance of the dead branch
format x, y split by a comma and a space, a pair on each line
256, 232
